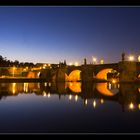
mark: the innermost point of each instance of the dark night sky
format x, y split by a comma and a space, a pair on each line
52, 34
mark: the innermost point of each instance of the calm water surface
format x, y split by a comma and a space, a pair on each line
69, 107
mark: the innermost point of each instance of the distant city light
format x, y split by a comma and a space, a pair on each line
76, 97
139, 58
49, 95
70, 63
113, 81
94, 60
70, 97
44, 67
76, 64
49, 84
139, 106
131, 58
94, 103
131, 106
86, 102
44, 94
45, 84
102, 101
102, 61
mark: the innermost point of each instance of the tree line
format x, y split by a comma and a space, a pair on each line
4, 62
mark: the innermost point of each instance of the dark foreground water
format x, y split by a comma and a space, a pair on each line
69, 108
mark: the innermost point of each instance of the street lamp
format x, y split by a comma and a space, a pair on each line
139, 58
76, 64
131, 106
131, 58
70, 64
94, 60
102, 61
94, 103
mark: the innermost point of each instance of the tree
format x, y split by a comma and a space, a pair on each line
4, 71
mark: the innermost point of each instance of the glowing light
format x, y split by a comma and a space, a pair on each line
14, 88
102, 88
94, 59
44, 94
103, 73
118, 85
102, 61
131, 106
102, 101
139, 106
131, 58
38, 85
76, 97
26, 87
109, 86
74, 76
49, 95
86, 102
113, 81
49, 84
45, 84
70, 64
94, 103
139, 58
76, 64
14, 71
70, 97
38, 74
75, 86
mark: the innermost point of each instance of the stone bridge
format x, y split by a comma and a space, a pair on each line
127, 71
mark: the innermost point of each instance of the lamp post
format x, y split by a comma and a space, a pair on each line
94, 60
131, 58
102, 61
139, 58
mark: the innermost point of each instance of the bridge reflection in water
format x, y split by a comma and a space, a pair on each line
127, 95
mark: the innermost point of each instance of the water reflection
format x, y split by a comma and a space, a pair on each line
107, 89
74, 86
95, 94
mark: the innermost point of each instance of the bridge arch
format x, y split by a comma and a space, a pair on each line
74, 76
102, 74
32, 74
103, 89
74, 86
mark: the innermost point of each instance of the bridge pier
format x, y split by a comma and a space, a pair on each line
87, 75
60, 75
128, 71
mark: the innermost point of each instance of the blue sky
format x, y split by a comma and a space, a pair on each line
52, 34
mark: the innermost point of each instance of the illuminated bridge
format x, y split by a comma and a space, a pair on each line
127, 71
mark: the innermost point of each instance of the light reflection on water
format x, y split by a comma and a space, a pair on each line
72, 103
76, 90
